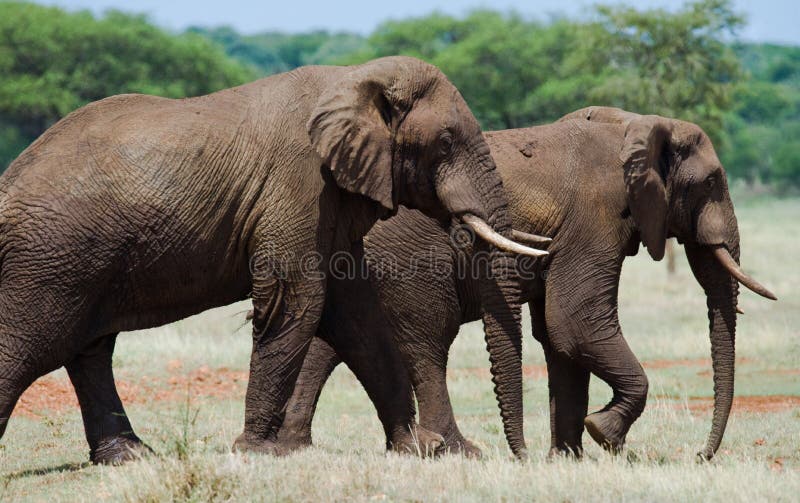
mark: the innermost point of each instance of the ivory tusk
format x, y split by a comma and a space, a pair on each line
489, 235
531, 239
725, 258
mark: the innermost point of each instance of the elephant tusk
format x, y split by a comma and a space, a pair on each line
739, 310
531, 239
725, 258
489, 235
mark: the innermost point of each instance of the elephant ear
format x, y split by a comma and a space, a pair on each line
352, 127
644, 153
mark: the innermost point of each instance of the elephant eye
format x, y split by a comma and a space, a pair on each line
445, 144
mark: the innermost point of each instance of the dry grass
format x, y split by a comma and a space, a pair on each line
43, 459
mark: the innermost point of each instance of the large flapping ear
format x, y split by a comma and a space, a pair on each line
607, 115
352, 126
647, 140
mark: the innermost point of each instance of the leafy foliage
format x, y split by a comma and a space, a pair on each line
53, 62
763, 126
513, 71
274, 52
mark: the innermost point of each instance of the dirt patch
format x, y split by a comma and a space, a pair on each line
747, 404
698, 362
55, 394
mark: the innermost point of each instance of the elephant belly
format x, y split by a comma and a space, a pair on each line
174, 287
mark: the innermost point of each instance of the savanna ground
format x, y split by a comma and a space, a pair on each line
184, 389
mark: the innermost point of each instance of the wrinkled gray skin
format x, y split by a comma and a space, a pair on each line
136, 211
598, 182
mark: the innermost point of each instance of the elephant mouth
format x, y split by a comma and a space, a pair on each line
485, 231
724, 257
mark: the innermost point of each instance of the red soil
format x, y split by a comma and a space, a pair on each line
752, 404
700, 362
55, 394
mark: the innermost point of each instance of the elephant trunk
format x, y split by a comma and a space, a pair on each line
495, 269
721, 297
501, 319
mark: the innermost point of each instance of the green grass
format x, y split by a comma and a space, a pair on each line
663, 318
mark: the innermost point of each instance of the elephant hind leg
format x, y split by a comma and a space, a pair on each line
285, 317
20, 366
108, 430
13, 382
320, 361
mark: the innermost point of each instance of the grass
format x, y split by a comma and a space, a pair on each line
663, 318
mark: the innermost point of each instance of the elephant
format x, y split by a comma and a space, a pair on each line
136, 211
600, 182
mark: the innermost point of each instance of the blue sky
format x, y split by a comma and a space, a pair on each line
768, 20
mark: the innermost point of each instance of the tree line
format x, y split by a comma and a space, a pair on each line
513, 71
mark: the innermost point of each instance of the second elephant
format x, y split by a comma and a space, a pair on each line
599, 182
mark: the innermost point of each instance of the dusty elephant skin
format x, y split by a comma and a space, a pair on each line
136, 211
599, 182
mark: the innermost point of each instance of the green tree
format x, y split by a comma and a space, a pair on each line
762, 126
53, 62
275, 52
516, 72
672, 64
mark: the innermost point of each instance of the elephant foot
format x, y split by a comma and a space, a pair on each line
608, 429
251, 444
291, 441
118, 450
419, 442
574, 453
460, 445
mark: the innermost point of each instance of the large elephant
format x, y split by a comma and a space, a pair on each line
599, 182
136, 211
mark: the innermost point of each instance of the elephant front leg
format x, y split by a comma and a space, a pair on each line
583, 326
568, 385
108, 430
285, 317
609, 358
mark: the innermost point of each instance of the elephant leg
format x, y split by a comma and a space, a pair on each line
568, 385
583, 326
320, 361
355, 327
426, 355
27, 351
14, 380
285, 317
610, 359
108, 430
371, 354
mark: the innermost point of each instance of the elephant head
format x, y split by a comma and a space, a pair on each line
397, 131
676, 187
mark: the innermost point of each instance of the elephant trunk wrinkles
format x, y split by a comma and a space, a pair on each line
500, 298
721, 295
